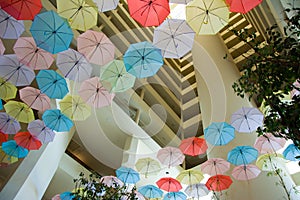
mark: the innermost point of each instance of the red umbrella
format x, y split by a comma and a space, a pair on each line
21, 10
218, 182
169, 184
242, 6
28, 141
193, 146
34, 98
149, 12
3, 137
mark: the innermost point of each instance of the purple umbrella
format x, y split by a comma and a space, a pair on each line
10, 28
8, 124
38, 129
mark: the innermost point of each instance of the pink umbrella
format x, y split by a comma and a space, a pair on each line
38, 129
34, 98
295, 92
111, 181
214, 166
96, 47
2, 48
56, 197
268, 143
94, 94
8, 124
245, 172
170, 156
29, 54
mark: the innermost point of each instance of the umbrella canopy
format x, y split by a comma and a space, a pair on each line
180, 1
149, 12
51, 32
174, 37
1, 105
193, 146
170, 156
190, 177
128, 175
66, 196
245, 172
34, 98
8, 124
32, 56
3, 137
7, 90
104, 5
246, 119
291, 152
207, 16
52, 84
242, 155
38, 129
147, 166
219, 133
270, 162
242, 6
169, 184
11, 148
2, 48
218, 182
10, 28
111, 181
268, 143
115, 78
175, 196
150, 191
20, 111
57, 121
196, 190
295, 92
15, 72
28, 141
5, 159
214, 166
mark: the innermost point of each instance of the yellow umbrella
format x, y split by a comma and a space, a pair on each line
5, 159
147, 166
20, 111
81, 14
75, 108
190, 177
270, 162
7, 90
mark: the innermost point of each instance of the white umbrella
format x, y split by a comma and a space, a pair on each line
105, 5
10, 28
180, 1
170, 156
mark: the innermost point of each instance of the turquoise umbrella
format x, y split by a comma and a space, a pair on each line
242, 155
219, 133
150, 191
57, 121
127, 175
175, 196
11, 148
66, 196
291, 152
1, 105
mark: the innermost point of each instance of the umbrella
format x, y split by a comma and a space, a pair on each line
51, 32
28, 141
127, 175
67, 195
34, 98
96, 47
174, 37
52, 84
115, 77
246, 119
295, 92
215, 166
111, 181
207, 16
196, 190
242, 6
219, 133
15, 72
149, 12
57, 121
270, 162
73, 65
20, 111
175, 196
104, 5
193, 146
180, 1
5, 159
147, 166
268, 143
10, 28
291, 152
32, 56
169, 184
11, 148
150, 191
2, 48
142, 59
81, 14
74, 108
8, 124
242, 155
190, 177
38, 129
3, 137
218, 182
94, 94
7, 90
245, 172
170, 156
1, 105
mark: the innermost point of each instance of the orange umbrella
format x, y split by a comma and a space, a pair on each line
169, 184
193, 146
218, 182
26, 140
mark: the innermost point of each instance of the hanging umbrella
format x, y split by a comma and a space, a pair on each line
3, 137
96, 47
6, 160
169, 184
196, 190
52, 84
67, 195
268, 143
11, 148
270, 162
190, 177
150, 191
74, 108
174, 37
142, 59
170, 156
291, 152
175, 196
127, 175
51, 32
193, 146
8, 124
104, 5
219, 133
149, 12
180, 1
38, 129
147, 166
20, 111
111, 181
94, 94
214, 166
246, 119
2, 48
245, 172
207, 16
242, 155
57, 121
1, 105
7, 90
32, 56
28, 141
115, 77
15, 72
242, 6
218, 182
295, 92
34, 98
73, 65
10, 28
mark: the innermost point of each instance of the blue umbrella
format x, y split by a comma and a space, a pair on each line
127, 175
143, 59
242, 155
67, 196
150, 191
11, 148
219, 133
52, 84
51, 32
57, 121
291, 152
175, 196
1, 105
